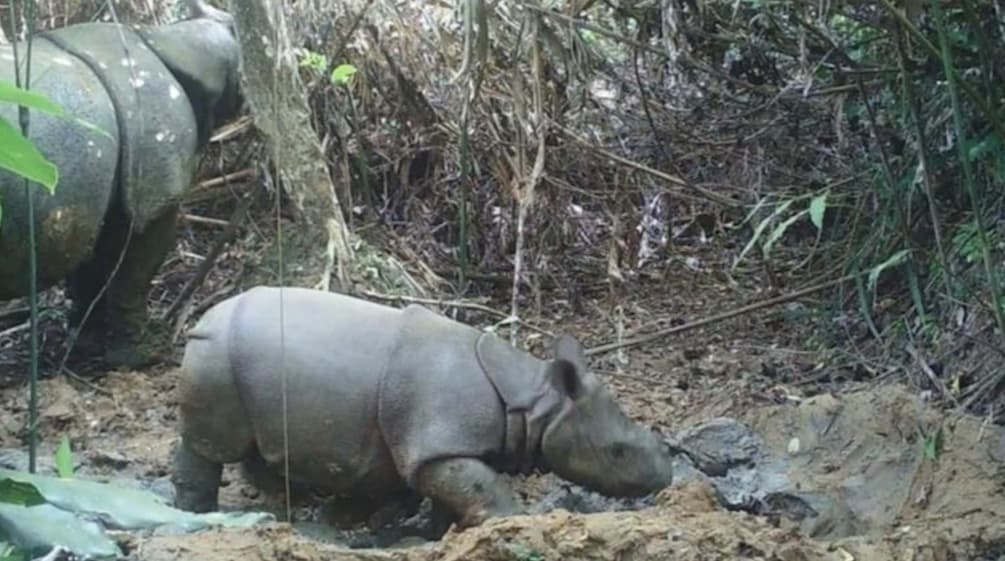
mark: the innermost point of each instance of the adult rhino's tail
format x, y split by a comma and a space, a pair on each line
214, 421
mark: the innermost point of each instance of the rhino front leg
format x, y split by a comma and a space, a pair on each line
196, 480
469, 488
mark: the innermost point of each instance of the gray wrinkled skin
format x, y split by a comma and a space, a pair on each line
382, 401
157, 93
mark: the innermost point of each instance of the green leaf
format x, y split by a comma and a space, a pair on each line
342, 74
894, 260
933, 445
780, 229
19, 493
10, 553
39, 101
19, 155
817, 208
760, 229
64, 459
28, 98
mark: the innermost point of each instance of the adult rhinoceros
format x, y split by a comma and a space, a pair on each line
157, 92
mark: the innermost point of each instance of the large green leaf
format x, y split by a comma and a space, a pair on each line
38, 529
19, 493
41, 102
28, 98
19, 155
125, 508
77, 512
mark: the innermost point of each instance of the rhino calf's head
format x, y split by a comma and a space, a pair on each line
591, 441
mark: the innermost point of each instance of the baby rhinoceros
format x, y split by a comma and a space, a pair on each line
383, 401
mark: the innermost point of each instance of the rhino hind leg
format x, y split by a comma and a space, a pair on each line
468, 488
132, 341
215, 428
84, 287
87, 285
117, 322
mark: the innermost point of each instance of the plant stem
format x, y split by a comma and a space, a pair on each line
968, 180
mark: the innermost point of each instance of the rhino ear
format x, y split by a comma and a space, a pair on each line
568, 348
568, 372
567, 379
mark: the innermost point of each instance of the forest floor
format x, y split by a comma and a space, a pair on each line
890, 488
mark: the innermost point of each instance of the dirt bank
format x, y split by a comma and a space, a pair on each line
869, 475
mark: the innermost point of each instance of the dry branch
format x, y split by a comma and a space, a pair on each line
649, 337
228, 234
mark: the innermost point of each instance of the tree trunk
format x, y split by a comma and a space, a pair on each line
275, 93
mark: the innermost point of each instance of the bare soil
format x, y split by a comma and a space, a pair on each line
899, 477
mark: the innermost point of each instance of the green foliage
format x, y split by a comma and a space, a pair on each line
818, 206
19, 493
10, 553
815, 211
342, 74
318, 62
64, 459
521, 552
967, 241
932, 445
17, 154
897, 258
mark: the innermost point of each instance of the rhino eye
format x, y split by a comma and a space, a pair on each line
618, 451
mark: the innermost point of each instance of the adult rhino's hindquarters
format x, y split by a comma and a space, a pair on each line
157, 92
383, 400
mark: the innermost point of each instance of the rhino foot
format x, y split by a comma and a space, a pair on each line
468, 488
196, 480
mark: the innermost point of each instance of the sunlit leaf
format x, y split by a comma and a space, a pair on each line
343, 73
29, 98
894, 260
64, 459
817, 208
19, 155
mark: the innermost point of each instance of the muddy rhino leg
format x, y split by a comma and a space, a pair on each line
132, 342
196, 480
470, 489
